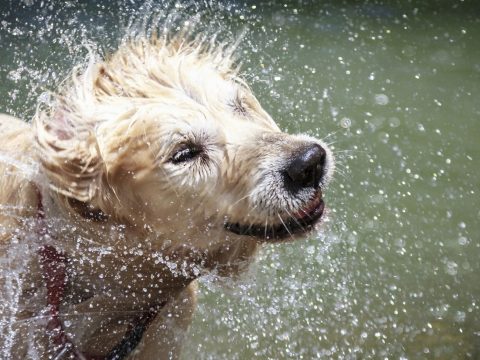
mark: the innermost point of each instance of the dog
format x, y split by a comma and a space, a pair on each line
143, 172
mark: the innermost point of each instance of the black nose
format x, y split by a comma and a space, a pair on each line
306, 168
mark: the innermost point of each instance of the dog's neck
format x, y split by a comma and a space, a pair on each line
111, 257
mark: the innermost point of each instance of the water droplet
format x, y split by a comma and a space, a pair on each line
345, 122
394, 122
462, 240
451, 268
460, 316
381, 99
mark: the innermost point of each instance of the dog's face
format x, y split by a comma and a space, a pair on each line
186, 149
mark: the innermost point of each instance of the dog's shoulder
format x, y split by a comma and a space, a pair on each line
16, 137
18, 167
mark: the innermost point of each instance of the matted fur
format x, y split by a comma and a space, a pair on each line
138, 222
106, 96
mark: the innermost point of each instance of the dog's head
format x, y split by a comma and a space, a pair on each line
166, 135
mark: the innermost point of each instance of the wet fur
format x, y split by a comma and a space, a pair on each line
137, 228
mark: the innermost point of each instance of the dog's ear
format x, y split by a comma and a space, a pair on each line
125, 147
69, 153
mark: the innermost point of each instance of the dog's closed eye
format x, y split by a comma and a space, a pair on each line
186, 152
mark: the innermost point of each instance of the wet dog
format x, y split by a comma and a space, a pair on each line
143, 172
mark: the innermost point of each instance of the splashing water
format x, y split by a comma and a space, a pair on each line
392, 88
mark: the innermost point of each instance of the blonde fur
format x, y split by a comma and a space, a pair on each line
138, 225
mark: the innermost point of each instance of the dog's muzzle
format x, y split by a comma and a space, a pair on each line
305, 171
301, 222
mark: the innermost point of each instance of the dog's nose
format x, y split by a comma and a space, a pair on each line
306, 169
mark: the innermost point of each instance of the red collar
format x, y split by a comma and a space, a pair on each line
54, 272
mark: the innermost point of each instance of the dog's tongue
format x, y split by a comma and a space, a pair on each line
309, 207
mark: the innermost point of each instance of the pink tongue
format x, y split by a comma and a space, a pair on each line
308, 208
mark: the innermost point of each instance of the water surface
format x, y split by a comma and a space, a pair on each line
395, 89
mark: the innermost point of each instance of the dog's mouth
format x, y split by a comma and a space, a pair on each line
299, 222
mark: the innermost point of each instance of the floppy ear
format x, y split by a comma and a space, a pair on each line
125, 148
69, 153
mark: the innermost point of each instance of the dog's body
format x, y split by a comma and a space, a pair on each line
146, 171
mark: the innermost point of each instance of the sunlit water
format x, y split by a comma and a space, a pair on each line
395, 90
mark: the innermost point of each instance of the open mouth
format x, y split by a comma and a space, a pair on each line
300, 222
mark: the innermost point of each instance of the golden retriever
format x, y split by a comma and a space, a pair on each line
143, 172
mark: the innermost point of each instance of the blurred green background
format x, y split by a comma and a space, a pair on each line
394, 86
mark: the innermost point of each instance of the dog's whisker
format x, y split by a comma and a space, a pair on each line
265, 228
331, 134
285, 226
243, 198
341, 170
294, 218
331, 143
349, 151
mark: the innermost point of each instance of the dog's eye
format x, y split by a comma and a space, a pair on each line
186, 153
